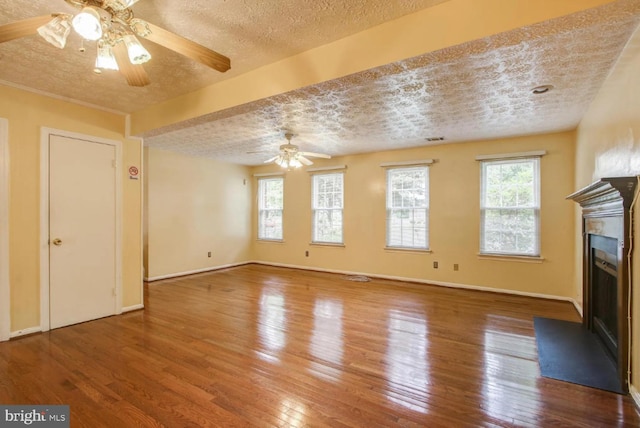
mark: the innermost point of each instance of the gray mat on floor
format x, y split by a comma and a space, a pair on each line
569, 352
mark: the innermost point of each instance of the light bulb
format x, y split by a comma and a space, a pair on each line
105, 59
87, 24
56, 31
137, 53
295, 163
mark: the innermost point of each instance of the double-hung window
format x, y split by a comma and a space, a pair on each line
510, 207
270, 207
327, 205
408, 207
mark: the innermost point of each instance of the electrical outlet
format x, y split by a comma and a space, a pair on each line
455, 266
209, 254
435, 265
306, 253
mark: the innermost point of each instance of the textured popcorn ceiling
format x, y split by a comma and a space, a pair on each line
478, 90
251, 33
473, 91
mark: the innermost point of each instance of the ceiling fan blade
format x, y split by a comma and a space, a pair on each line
25, 27
135, 74
315, 155
271, 160
188, 48
304, 160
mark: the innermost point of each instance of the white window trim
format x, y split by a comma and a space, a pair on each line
510, 258
270, 176
400, 166
536, 155
517, 155
423, 162
408, 249
326, 171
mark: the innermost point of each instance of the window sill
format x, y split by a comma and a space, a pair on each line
327, 244
408, 250
511, 258
268, 241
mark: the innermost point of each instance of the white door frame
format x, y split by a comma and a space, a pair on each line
5, 292
44, 217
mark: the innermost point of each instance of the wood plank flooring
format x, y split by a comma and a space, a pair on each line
265, 346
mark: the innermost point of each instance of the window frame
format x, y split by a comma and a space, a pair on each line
534, 159
389, 208
316, 210
262, 181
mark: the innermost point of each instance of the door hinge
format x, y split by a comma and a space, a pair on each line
113, 290
114, 163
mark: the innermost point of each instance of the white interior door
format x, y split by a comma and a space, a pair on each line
82, 230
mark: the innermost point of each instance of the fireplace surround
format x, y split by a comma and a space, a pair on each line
606, 227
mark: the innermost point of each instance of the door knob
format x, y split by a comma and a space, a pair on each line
57, 242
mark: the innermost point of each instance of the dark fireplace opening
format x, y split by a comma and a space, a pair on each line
604, 292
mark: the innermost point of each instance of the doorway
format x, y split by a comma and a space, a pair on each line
80, 228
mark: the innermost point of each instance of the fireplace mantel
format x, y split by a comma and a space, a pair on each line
607, 196
606, 213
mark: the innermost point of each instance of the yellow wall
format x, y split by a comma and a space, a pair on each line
608, 145
27, 113
454, 219
195, 206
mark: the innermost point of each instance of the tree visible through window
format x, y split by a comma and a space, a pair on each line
408, 207
327, 205
510, 207
270, 206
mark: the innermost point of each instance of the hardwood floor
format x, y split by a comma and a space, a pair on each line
266, 346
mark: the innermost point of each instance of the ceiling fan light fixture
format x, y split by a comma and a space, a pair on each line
119, 4
105, 60
87, 24
287, 161
294, 163
56, 31
137, 53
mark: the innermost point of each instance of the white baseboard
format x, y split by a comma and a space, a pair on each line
24, 332
191, 272
132, 308
635, 394
390, 277
426, 281
578, 307
32, 330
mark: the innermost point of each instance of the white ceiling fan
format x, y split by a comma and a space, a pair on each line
291, 157
112, 25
